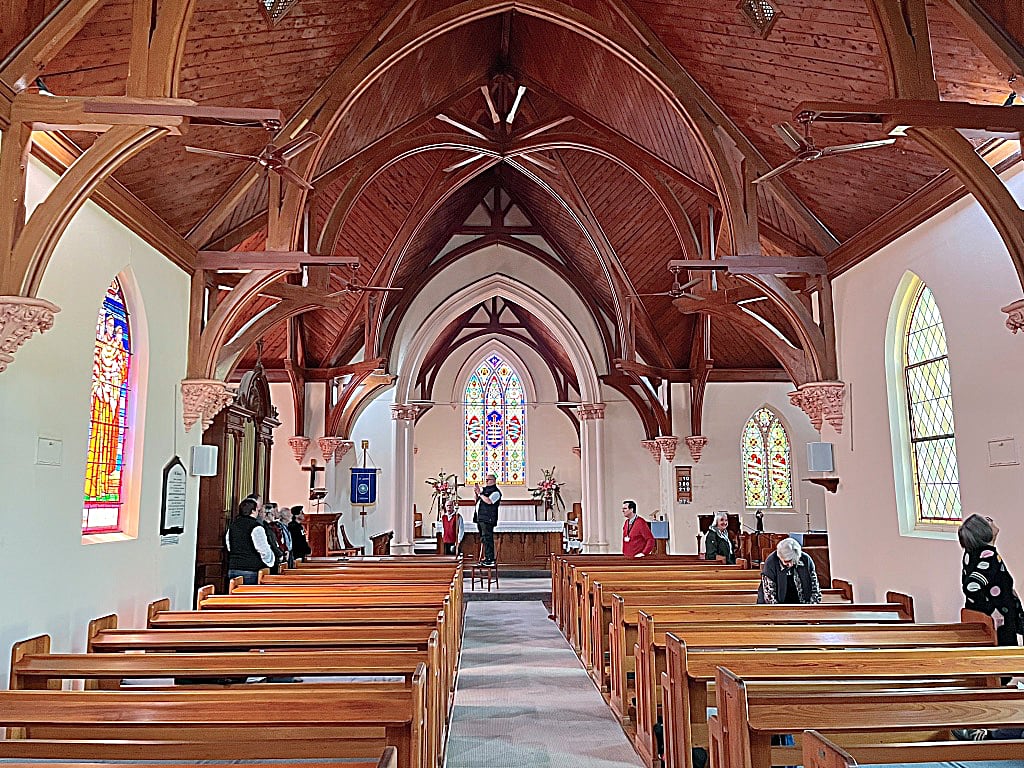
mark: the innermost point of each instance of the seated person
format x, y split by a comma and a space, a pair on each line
716, 541
788, 576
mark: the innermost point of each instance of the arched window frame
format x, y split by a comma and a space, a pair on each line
914, 520
131, 452
507, 475
779, 464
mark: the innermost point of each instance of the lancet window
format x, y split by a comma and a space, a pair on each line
495, 423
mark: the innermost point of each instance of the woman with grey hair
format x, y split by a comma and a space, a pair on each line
987, 585
788, 576
716, 541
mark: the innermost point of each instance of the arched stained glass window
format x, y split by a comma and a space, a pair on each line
765, 453
930, 413
495, 427
108, 423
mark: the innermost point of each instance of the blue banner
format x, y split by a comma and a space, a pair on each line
364, 485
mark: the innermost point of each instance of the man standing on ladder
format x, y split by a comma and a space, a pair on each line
486, 516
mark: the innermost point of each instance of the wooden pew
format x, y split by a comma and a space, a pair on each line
103, 751
689, 670
820, 752
388, 759
228, 716
624, 628
749, 716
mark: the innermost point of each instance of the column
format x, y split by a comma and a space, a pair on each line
404, 419
592, 465
667, 480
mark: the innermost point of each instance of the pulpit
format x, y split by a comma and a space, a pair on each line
382, 543
318, 528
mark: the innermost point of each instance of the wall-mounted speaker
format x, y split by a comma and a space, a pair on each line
819, 457
204, 460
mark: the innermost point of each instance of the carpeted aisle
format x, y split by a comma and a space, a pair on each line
525, 701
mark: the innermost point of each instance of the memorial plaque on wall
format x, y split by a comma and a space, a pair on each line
172, 503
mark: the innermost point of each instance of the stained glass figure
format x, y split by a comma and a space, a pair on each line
930, 413
765, 455
108, 424
495, 426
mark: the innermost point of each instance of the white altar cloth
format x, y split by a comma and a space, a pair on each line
509, 510
515, 526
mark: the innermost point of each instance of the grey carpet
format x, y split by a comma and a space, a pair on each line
524, 700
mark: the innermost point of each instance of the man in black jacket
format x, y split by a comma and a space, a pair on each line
486, 516
248, 548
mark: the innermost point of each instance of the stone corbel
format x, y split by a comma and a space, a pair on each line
402, 412
1015, 316
298, 445
20, 317
202, 400
590, 411
696, 444
821, 400
653, 449
342, 450
578, 451
328, 447
667, 446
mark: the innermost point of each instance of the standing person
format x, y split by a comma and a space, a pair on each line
637, 540
248, 548
452, 529
486, 516
717, 541
788, 576
300, 546
263, 515
284, 518
987, 584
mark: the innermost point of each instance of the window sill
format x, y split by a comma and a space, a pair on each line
104, 538
937, 534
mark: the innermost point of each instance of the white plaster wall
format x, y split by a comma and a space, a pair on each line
959, 255
53, 583
550, 435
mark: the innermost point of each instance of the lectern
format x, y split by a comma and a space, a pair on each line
318, 526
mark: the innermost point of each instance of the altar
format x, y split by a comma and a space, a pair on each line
517, 543
510, 509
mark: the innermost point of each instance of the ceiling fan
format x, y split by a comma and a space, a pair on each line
806, 151
679, 290
271, 157
351, 286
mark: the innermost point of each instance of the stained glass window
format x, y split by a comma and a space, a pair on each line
765, 454
495, 427
930, 413
108, 423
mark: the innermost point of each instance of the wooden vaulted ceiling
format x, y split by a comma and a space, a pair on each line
403, 216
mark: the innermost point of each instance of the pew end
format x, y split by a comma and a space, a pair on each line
96, 626
39, 644
261, 574
819, 752
904, 600
234, 583
163, 604
203, 593
967, 616
845, 587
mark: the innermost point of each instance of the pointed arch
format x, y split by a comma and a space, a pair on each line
494, 422
766, 458
922, 428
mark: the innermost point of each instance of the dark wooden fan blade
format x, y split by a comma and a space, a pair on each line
777, 171
288, 174
841, 148
791, 136
378, 288
663, 293
297, 145
219, 153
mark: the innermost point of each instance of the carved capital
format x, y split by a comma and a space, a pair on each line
20, 317
202, 400
589, 411
298, 446
821, 400
342, 450
667, 445
328, 447
1015, 315
696, 444
402, 412
578, 451
653, 449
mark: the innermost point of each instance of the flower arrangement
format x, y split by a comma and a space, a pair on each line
549, 490
445, 488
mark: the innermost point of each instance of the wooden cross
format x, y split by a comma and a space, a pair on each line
313, 469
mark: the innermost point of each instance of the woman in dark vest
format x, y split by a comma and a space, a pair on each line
248, 548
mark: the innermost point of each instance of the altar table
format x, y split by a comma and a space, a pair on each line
522, 543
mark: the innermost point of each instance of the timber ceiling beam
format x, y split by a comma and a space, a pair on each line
285, 291
896, 115
1002, 45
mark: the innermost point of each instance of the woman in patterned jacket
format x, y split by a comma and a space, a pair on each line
987, 585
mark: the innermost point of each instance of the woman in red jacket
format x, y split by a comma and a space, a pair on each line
637, 540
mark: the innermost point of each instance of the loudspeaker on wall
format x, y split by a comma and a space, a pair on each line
204, 460
819, 457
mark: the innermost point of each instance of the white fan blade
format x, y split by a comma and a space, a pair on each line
663, 293
688, 295
841, 148
297, 145
777, 171
790, 136
220, 153
691, 283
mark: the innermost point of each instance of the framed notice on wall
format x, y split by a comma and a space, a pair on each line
684, 485
172, 503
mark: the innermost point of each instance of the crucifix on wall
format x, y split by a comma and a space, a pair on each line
313, 469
